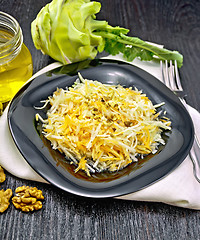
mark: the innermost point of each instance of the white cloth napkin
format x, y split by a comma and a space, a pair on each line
179, 188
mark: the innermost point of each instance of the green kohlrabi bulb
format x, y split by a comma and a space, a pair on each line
67, 30
64, 30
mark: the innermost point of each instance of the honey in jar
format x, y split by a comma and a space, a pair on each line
15, 59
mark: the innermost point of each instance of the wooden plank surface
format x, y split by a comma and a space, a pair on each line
175, 24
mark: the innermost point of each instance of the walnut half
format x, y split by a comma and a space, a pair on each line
2, 175
27, 198
4, 199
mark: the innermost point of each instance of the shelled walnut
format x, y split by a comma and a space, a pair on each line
27, 198
2, 175
4, 199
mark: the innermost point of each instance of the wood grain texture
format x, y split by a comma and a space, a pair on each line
175, 24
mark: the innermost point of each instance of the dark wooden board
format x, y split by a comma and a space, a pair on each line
175, 24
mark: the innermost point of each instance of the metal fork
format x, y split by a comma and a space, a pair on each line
171, 78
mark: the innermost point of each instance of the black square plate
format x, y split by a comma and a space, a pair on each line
49, 163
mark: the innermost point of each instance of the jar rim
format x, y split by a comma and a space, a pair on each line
12, 45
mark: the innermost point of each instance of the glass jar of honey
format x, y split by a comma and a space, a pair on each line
15, 59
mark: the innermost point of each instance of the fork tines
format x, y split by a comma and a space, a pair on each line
170, 75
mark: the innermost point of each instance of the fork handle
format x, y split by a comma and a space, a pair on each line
195, 157
195, 150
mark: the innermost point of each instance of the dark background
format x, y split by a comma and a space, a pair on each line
176, 25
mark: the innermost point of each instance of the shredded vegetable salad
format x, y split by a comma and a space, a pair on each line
102, 127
